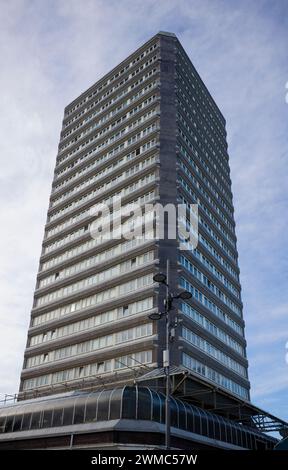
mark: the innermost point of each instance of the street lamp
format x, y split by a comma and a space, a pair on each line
183, 295
162, 278
155, 316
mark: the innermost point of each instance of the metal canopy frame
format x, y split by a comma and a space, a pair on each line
186, 385
189, 387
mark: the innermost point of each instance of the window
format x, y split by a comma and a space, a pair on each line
133, 360
205, 346
95, 279
100, 367
125, 310
211, 374
45, 357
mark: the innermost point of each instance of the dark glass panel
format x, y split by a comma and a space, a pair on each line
9, 423
162, 405
250, 440
17, 423
144, 404
223, 430
57, 417
2, 423
79, 413
156, 408
47, 419
129, 403
182, 415
190, 419
260, 445
234, 435
229, 433
204, 423
68, 415
174, 413
217, 428
90, 412
103, 405
244, 439
239, 436
197, 421
211, 431
115, 403
35, 420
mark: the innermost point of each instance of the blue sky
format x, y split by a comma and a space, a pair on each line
53, 50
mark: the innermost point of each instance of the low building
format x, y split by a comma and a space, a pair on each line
133, 417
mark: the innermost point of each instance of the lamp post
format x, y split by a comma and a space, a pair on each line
162, 278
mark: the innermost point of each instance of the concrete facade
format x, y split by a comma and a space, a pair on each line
149, 130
